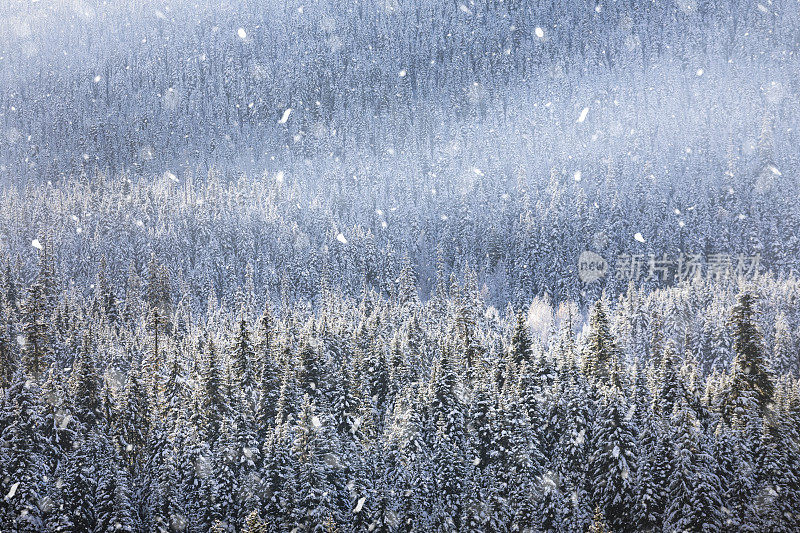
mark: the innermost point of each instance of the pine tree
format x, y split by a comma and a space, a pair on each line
521, 344
37, 350
113, 495
309, 374
159, 303
243, 360
22, 450
694, 489
212, 398
76, 489
750, 372
572, 452
613, 463
8, 359
135, 418
313, 493
668, 387
601, 350
86, 386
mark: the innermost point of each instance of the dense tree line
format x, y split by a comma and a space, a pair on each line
130, 412
282, 238
313, 266
429, 89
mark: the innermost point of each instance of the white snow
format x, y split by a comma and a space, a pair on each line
315, 420
477, 171
170, 176
279, 176
763, 8
402, 73
774, 170
577, 175
465, 9
638, 237
285, 116
582, 117
97, 78
539, 32
699, 72
581, 437
241, 33
13, 491
341, 238
615, 451
36, 244
677, 211
359, 505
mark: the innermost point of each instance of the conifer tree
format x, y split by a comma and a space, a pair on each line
613, 463
601, 350
694, 502
22, 450
750, 372
86, 386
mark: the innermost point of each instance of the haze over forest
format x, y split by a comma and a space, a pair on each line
395, 265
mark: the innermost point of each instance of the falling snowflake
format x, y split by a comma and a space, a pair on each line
539, 32
583, 114
638, 237
285, 116
241, 33
359, 505
341, 238
36, 244
12, 491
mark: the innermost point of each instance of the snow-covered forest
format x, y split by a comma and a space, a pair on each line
317, 266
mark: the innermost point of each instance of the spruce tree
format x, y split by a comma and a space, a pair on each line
23, 452
601, 352
613, 463
749, 369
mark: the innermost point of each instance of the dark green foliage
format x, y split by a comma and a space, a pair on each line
380, 417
